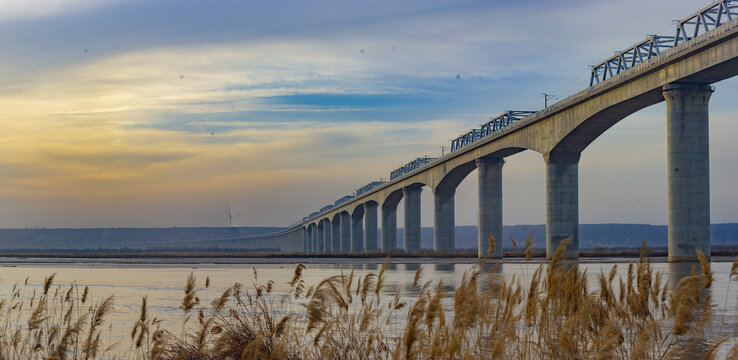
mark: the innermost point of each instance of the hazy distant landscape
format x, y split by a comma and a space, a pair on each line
140, 138
591, 236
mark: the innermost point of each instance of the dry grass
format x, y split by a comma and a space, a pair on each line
60, 323
553, 313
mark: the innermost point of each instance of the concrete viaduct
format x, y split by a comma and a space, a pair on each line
681, 76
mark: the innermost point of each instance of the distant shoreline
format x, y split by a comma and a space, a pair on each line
462, 256
203, 239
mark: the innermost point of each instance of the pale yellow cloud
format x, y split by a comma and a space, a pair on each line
22, 9
88, 132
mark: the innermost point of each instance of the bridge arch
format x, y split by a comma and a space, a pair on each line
335, 230
598, 119
389, 220
391, 200
489, 170
370, 226
357, 229
561, 131
313, 237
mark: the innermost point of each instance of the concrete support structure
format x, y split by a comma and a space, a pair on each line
336, 234
412, 217
313, 238
562, 201
689, 169
327, 232
357, 230
389, 227
321, 238
370, 226
444, 220
309, 245
345, 232
304, 240
563, 131
490, 205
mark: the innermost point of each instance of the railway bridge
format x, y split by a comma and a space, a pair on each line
678, 69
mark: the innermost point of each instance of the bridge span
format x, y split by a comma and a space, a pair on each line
678, 70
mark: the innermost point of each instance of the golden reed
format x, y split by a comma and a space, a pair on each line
553, 313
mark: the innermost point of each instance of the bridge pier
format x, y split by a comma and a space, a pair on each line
389, 227
315, 238
357, 230
304, 240
312, 228
345, 232
327, 235
336, 234
444, 220
490, 205
321, 237
562, 201
308, 247
689, 170
412, 217
370, 226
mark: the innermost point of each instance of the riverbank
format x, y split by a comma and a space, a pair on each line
217, 258
465, 253
335, 305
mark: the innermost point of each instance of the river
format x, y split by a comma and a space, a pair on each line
162, 279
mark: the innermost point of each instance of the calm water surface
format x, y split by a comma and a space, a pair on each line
162, 280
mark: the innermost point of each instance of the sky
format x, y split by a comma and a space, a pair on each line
118, 113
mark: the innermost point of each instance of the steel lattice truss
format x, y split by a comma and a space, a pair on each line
699, 23
624, 60
409, 167
328, 207
313, 214
368, 187
705, 20
342, 200
493, 125
466, 139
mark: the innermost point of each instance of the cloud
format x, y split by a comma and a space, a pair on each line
120, 158
22, 9
258, 105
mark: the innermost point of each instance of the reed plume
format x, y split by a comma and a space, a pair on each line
555, 312
189, 300
492, 245
529, 246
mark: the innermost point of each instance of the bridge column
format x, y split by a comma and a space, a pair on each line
490, 205
345, 232
309, 239
370, 226
444, 220
312, 238
336, 234
562, 201
327, 231
689, 169
321, 237
357, 230
389, 227
412, 217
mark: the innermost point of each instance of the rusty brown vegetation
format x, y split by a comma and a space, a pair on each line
552, 313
